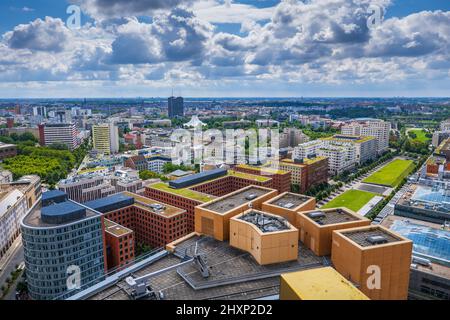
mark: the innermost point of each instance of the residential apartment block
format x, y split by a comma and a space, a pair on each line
64, 133
105, 138
16, 198
370, 128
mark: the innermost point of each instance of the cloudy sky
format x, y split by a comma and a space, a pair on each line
220, 48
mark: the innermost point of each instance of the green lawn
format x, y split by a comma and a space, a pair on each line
391, 174
420, 135
351, 199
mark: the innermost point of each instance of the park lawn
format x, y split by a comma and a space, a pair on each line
421, 136
392, 174
351, 199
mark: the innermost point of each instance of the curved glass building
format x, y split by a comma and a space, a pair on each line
63, 247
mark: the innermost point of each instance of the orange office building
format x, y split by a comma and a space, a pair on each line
268, 238
376, 259
288, 204
213, 218
316, 227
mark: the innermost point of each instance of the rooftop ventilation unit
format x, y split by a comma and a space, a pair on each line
376, 240
157, 207
251, 196
316, 215
288, 205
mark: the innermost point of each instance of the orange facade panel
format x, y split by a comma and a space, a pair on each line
316, 231
376, 259
261, 241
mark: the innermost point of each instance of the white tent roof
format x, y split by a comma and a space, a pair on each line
195, 122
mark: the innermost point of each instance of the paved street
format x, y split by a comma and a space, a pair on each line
9, 264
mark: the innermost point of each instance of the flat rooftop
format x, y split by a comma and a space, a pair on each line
183, 192
322, 284
303, 162
236, 199
116, 229
425, 197
157, 207
361, 236
331, 216
33, 218
234, 274
265, 222
290, 200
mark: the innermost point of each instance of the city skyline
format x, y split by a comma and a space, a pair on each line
218, 48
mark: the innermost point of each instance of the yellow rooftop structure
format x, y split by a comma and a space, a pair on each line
318, 284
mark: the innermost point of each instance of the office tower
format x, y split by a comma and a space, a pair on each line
106, 138
62, 238
88, 187
175, 107
65, 133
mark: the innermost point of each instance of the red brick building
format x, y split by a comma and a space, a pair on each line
154, 223
136, 163
281, 179
119, 243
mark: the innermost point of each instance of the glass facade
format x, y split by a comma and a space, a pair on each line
49, 252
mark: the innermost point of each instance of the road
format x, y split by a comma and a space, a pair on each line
15, 259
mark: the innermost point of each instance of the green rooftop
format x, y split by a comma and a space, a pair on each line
268, 170
185, 192
342, 137
247, 176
